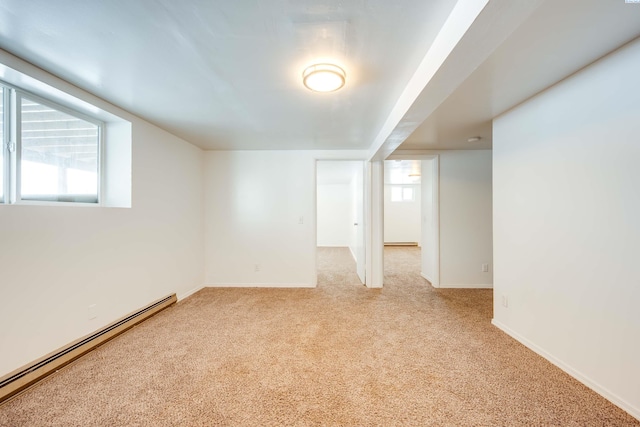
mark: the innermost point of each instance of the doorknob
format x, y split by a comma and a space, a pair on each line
355, 223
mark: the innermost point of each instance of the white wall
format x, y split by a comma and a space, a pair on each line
566, 211
55, 261
402, 219
465, 218
254, 203
335, 215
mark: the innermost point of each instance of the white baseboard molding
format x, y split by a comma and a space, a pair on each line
353, 255
187, 294
427, 278
260, 285
584, 379
471, 286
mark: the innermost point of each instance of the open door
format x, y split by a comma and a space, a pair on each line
358, 209
340, 210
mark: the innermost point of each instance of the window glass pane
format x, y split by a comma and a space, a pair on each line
59, 155
396, 194
2, 144
407, 193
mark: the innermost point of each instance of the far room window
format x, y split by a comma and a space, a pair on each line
54, 155
402, 194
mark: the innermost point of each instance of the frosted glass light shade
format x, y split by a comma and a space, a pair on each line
323, 77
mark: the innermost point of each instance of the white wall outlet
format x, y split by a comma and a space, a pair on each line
505, 301
256, 267
92, 312
485, 268
301, 220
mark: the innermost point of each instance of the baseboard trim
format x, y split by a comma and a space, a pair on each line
427, 278
353, 255
27, 375
584, 379
187, 294
472, 286
260, 285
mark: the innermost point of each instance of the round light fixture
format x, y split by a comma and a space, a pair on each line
323, 77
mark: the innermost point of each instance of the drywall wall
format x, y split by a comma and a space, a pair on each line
402, 219
260, 216
335, 215
465, 219
566, 209
58, 260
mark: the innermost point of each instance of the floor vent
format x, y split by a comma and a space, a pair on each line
28, 375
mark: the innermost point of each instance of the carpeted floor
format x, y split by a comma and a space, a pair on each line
340, 354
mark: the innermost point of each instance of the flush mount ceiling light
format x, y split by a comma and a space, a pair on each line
474, 139
323, 77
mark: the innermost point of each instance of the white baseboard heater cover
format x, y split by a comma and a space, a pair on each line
18, 380
401, 243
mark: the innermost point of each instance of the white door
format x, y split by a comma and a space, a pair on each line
359, 220
340, 208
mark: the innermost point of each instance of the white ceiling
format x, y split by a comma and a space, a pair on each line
227, 74
558, 39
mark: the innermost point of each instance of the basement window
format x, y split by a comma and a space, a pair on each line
51, 153
402, 194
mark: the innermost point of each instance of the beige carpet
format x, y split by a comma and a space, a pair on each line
340, 354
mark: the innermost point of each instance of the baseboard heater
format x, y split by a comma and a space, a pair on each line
401, 243
23, 377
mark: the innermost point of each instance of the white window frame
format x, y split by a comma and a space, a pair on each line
12, 146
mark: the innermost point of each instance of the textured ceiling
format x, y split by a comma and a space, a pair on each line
558, 39
227, 74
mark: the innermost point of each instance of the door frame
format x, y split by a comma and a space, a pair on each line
435, 194
364, 207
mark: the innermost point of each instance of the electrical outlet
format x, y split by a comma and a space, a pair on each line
505, 301
485, 268
256, 268
92, 312
301, 220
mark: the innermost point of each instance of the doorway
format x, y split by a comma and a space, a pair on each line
411, 217
340, 221
402, 217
